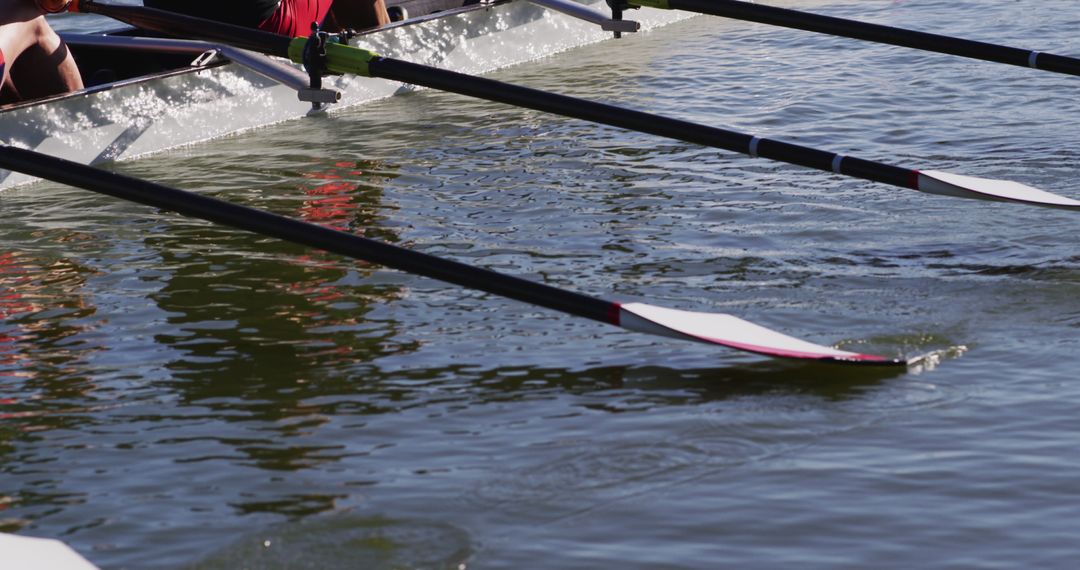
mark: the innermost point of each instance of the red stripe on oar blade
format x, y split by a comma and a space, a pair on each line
614, 312
733, 332
913, 180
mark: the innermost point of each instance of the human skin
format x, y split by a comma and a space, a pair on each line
38, 62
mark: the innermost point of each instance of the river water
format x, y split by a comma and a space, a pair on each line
179, 395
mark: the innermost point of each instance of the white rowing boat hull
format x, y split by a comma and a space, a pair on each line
132, 118
26, 553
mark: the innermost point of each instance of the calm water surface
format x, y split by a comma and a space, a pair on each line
179, 395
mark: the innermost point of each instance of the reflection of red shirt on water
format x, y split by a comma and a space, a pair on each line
12, 272
11, 302
332, 202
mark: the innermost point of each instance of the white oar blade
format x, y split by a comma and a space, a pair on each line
733, 332
25, 553
960, 186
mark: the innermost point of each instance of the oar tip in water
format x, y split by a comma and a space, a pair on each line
960, 186
716, 329
733, 332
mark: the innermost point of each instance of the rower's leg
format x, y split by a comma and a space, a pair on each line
47, 67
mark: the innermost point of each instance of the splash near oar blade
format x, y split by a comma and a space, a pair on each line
960, 186
733, 332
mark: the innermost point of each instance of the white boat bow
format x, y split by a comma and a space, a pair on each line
27, 553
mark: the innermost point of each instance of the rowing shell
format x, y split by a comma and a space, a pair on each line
26, 553
185, 96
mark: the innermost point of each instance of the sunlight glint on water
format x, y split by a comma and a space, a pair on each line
174, 394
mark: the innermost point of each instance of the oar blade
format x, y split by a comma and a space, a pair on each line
341, 58
716, 329
960, 186
733, 332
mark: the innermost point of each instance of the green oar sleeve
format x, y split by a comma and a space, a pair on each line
340, 58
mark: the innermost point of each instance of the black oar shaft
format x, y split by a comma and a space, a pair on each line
312, 235
771, 15
638, 121
491, 90
171, 23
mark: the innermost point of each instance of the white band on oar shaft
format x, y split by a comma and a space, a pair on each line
1033, 59
836, 160
753, 146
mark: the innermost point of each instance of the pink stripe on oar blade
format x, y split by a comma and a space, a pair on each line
732, 332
